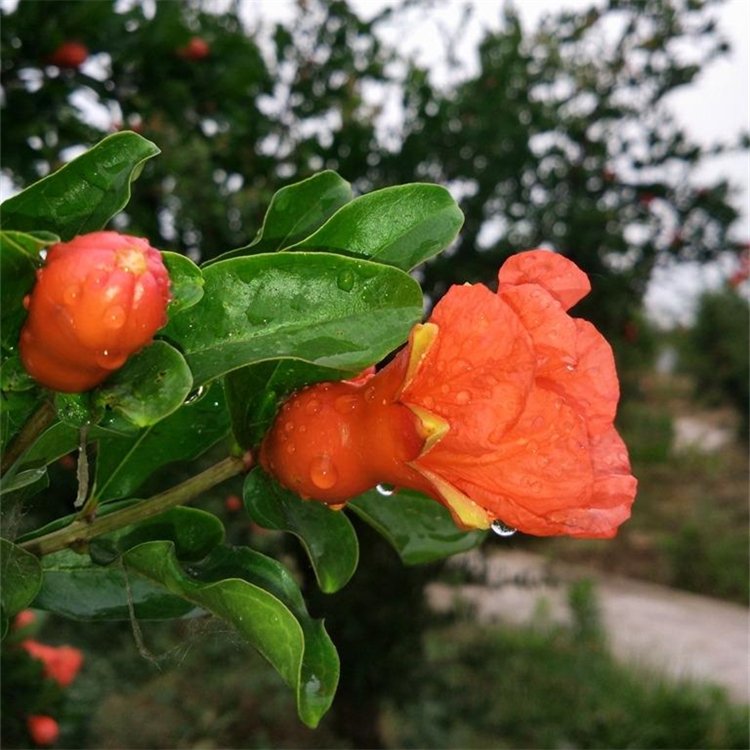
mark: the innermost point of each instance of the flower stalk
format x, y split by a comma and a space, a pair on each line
82, 530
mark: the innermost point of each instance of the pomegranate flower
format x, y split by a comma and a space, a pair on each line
500, 407
44, 730
61, 663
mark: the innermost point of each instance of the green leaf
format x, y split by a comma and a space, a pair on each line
22, 479
295, 212
74, 586
95, 586
186, 282
254, 392
21, 576
401, 226
83, 195
124, 463
19, 259
324, 309
152, 385
327, 535
418, 528
262, 618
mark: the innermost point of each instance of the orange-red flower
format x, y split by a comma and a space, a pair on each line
501, 407
44, 730
61, 663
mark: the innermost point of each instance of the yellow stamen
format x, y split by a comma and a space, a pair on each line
431, 427
466, 513
422, 337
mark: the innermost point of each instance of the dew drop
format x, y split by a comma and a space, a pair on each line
26, 301
323, 473
289, 426
429, 402
312, 407
109, 360
386, 490
195, 395
71, 294
337, 506
114, 318
502, 529
370, 393
290, 449
345, 281
345, 404
463, 397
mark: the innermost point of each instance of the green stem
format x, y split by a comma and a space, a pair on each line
81, 531
34, 427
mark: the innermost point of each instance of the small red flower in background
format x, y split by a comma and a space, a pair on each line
24, 619
501, 407
61, 663
196, 49
233, 503
69, 55
44, 730
97, 300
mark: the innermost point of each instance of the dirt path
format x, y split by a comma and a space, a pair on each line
680, 634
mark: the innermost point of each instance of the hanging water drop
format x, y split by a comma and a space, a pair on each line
502, 529
345, 281
386, 490
196, 395
323, 473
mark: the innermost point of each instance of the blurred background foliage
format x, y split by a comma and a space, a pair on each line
562, 136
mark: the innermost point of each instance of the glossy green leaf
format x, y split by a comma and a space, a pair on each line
295, 212
15, 409
418, 528
124, 462
263, 619
319, 669
74, 586
22, 479
186, 282
324, 309
327, 535
83, 195
401, 226
149, 387
94, 586
19, 259
21, 576
254, 393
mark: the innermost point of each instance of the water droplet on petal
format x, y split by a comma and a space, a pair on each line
114, 318
110, 360
502, 529
289, 426
386, 490
71, 294
337, 506
346, 404
26, 301
312, 407
290, 449
195, 395
323, 473
429, 402
463, 397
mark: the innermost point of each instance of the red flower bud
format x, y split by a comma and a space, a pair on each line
69, 55
61, 663
501, 407
196, 49
44, 730
98, 299
24, 619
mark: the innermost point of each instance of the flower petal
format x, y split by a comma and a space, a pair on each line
559, 276
539, 467
477, 371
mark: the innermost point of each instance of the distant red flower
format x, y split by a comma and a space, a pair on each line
61, 663
23, 619
233, 503
501, 407
44, 730
196, 49
69, 55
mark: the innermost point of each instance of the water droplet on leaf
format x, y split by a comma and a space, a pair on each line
345, 281
502, 529
195, 395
